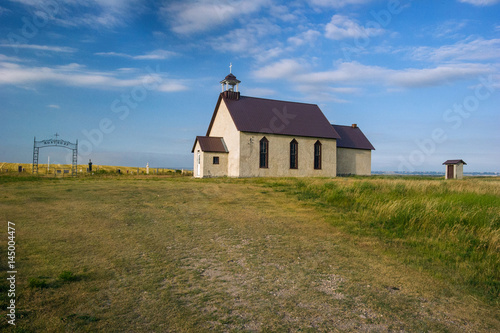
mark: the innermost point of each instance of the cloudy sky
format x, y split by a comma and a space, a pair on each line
135, 81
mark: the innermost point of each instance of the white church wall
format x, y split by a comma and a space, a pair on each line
354, 161
223, 126
279, 156
214, 170
198, 161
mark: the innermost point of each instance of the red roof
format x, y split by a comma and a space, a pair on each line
259, 115
454, 162
211, 144
352, 137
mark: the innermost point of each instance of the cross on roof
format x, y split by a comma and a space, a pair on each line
57, 135
230, 65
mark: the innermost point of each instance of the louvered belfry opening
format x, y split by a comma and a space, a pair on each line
230, 87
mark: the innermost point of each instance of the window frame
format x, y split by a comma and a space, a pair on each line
215, 160
318, 152
294, 154
264, 153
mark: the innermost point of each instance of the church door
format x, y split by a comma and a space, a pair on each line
198, 166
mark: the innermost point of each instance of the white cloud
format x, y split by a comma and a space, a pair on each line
466, 50
337, 3
189, 17
237, 41
9, 59
154, 55
251, 41
480, 2
436, 76
71, 67
93, 13
79, 76
306, 37
283, 69
341, 27
283, 13
263, 55
260, 92
53, 106
41, 47
4, 10
172, 86
356, 73
345, 73
114, 54
450, 28
350, 77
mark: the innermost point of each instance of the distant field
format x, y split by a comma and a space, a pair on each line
158, 254
45, 169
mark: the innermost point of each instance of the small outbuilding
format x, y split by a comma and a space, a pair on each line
454, 169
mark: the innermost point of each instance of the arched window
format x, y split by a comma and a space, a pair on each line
294, 154
264, 153
317, 155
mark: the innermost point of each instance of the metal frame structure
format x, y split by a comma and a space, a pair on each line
55, 143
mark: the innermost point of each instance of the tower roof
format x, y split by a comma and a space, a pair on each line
230, 79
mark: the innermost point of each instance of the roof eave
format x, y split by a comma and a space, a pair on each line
360, 148
291, 135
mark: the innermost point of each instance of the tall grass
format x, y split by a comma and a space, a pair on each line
450, 228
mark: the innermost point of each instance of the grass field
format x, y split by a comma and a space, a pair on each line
175, 254
49, 170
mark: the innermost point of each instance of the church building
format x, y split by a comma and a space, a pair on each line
257, 137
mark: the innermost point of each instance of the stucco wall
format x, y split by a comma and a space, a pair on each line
459, 171
223, 126
279, 156
207, 166
354, 161
197, 171
214, 170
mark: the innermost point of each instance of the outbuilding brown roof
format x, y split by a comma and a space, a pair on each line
454, 162
211, 144
260, 115
352, 137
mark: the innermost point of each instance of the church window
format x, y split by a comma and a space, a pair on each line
317, 155
294, 154
264, 153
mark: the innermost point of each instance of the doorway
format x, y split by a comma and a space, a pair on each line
198, 166
450, 171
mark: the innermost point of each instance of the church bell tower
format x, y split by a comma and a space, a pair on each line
230, 86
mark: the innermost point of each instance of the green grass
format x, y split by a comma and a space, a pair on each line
449, 228
179, 254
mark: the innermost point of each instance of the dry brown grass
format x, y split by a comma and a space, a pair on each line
44, 169
185, 255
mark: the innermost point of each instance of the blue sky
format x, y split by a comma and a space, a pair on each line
135, 81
